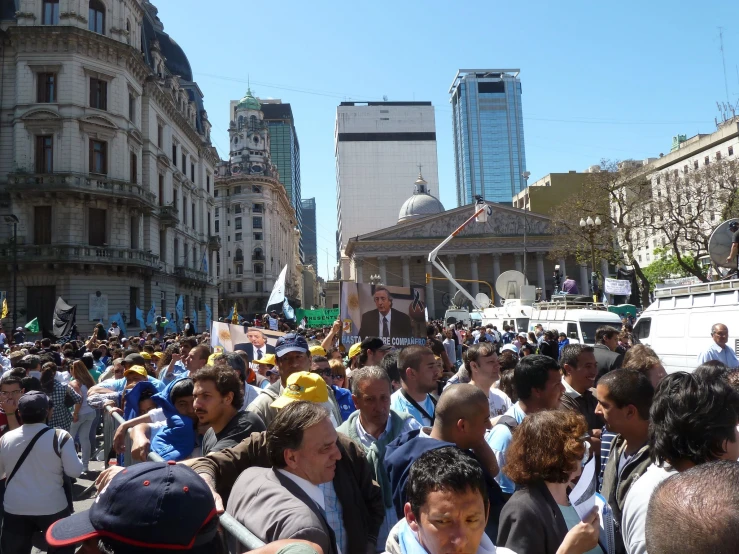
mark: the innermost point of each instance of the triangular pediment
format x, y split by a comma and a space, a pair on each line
100, 121
40, 115
503, 221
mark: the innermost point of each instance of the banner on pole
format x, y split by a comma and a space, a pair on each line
318, 318
619, 287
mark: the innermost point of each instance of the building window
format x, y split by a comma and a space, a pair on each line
98, 94
134, 169
46, 89
96, 232
42, 225
256, 222
133, 303
237, 223
259, 286
239, 287
184, 164
192, 172
193, 215
239, 255
258, 254
239, 269
695, 164
161, 190
685, 169
706, 160
45, 154
731, 150
237, 237
218, 211
207, 183
215, 193
98, 157
195, 258
258, 208
96, 17
217, 226
237, 209
257, 236
174, 153
184, 210
134, 232
237, 189
257, 189
160, 136
718, 155
50, 12
131, 108
163, 246
258, 269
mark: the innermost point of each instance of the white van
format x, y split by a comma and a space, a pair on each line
677, 325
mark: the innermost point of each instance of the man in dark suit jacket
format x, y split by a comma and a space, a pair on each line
257, 346
375, 322
606, 342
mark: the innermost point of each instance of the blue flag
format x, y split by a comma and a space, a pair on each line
230, 314
194, 321
151, 316
204, 263
208, 318
180, 311
119, 320
289, 312
140, 318
171, 327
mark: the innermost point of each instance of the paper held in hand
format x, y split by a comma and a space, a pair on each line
584, 496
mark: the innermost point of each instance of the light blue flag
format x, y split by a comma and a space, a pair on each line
204, 263
230, 314
119, 320
180, 311
208, 318
171, 327
140, 317
194, 321
151, 316
287, 309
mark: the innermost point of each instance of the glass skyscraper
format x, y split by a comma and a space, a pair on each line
285, 152
308, 236
487, 121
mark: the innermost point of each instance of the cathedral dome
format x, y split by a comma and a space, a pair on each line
248, 102
420, 204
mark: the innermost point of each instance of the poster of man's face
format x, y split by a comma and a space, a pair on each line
256, 337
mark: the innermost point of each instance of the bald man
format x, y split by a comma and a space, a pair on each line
694, 512
461, 420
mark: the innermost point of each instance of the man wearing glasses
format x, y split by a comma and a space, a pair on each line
11, 389
340, 398
718, 349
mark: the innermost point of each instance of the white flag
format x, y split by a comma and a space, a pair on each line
278, 291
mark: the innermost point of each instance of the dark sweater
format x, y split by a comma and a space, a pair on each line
241, 426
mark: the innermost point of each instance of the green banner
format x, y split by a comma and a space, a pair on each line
318, 318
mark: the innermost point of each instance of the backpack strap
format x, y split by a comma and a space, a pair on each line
508, 421
25, 454
57, 444
418, 407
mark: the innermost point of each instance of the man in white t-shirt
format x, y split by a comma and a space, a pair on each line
481, 362
114, 331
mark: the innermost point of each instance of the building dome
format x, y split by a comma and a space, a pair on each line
420, 204
248, 102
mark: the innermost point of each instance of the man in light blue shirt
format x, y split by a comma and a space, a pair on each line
718, 350
539, 386
419, 374
119, 385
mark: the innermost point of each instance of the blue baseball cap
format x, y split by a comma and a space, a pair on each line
149, 505
291, 343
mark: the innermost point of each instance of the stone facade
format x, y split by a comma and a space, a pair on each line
106, 160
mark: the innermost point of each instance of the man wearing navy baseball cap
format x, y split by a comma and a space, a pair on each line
292, 355
147, 508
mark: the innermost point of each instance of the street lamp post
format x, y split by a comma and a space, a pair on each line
10, 218
591, 227
525, 175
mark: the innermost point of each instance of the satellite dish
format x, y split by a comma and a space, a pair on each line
509, 284
459, 299
445, 299
483, 300
719, 245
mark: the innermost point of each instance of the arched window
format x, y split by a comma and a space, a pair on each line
258, 254
96, 17
258, 269
239, 254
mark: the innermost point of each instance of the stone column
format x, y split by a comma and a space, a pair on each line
474, 273
541, 279
452, 269
584, 278
496, 269
562, 269
358, 264
406, 270
519, 262
430, 291
383, 269
603, 274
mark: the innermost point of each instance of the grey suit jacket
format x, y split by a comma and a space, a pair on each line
273, 507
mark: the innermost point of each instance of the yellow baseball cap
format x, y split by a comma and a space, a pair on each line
213, 357
317, 350
355, 349
303, 385
158, 354
146, 355
141, 370
267, 359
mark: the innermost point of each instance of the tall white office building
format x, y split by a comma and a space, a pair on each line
380, 149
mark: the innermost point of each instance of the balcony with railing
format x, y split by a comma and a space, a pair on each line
194, 276
214, 242
80, 254
79, 183
169, 216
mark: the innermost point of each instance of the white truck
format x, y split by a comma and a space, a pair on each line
677, 325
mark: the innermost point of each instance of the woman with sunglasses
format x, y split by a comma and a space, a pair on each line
546, 454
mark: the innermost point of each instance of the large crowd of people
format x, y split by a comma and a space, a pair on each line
471, 443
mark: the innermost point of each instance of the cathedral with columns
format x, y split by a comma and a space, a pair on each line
481, 252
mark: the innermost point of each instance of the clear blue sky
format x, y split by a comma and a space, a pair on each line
599, 80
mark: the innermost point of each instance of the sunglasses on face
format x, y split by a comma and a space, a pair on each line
322, 372
337, 377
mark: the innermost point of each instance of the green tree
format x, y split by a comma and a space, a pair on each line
667, 266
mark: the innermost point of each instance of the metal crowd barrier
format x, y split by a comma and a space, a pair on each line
111, 421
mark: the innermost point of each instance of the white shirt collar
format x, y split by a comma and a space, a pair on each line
313, 491
366, 437
569, 391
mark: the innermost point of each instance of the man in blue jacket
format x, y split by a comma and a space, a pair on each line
462, 418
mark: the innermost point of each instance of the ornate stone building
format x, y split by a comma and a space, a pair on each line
105, 160
254, 218
482, 251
